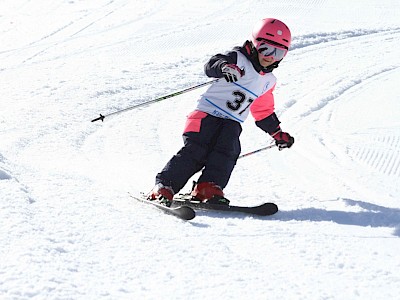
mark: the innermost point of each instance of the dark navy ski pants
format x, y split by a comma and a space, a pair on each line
211, 144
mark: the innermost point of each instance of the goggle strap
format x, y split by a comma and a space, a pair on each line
272, 43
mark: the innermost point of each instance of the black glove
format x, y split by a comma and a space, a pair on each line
283, 139
232, 72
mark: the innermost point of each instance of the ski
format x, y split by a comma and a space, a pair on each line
183, 212
265, 209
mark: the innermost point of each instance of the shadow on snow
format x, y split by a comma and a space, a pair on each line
374, 216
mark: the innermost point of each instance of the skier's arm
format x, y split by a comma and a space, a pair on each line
213, 67
270, 125
263, 111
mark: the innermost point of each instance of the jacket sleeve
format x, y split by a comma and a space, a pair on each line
262, 110
213, 67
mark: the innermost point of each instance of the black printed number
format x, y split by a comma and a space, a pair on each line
240, 99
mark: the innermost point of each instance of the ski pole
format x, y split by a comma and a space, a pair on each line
102, 117
256, 151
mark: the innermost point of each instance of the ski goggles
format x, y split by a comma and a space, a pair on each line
267, 50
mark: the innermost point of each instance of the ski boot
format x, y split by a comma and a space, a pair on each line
209, 192
162, 194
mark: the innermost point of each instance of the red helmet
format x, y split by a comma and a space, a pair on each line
271, 31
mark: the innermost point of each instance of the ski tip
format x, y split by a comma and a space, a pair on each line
268, 209
186, 212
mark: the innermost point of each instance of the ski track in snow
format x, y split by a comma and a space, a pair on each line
69, 229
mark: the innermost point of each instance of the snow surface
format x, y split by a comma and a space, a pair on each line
68, 229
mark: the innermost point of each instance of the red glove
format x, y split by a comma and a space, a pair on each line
232, 72
283, 139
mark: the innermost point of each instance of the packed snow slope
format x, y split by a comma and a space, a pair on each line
69, 230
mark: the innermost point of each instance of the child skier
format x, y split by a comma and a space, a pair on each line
211, 134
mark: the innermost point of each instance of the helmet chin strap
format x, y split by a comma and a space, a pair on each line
252, 54
270, 68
